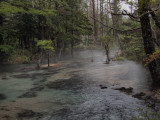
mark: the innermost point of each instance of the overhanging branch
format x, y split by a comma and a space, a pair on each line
155, 18
120, 31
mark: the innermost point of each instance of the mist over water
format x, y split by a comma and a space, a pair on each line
72, 92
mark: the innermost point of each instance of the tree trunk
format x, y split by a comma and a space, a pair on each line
101, 15
48, 59
94, 18
115, 20
59, 49
1, 24
72, 44
107, 54
40, 28
148, 40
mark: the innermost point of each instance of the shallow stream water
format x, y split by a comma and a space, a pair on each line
72, 91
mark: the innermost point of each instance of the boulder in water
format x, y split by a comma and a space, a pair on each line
26, 113
103, 87
38, 88
2, 96
123, 89
29, 114
139, 95
28, 95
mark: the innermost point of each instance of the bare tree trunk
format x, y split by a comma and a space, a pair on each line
72, 45
40, 59
148, 40
107, 54
94, 18
48, 58
97, 19
115, 20
1, 24
101, 16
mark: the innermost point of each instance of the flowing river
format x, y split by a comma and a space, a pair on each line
72, 91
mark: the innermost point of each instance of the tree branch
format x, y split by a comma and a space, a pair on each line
120, 31
124, 12
155, 18
150, 11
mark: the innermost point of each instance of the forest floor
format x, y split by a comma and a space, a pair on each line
76, 89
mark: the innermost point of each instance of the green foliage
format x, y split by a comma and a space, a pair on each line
12, 55
81, 47
45, 45
154, 56
7, 49
132, 45
15, 58
143, 4
107, 40
23, 22
15, 6
7, 8
119, 58
135, 51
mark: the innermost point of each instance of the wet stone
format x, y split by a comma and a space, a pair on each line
38, 88
26, 113
28, 95
4, 109
7, 117
139, 95
69, 84
25, 62
2, 96
123, 89
49, 73
36, 74
152, 101
63, 113
22, 76
4, 78
103, 87
43, 80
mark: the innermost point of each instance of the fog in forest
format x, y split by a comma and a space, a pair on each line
79, 60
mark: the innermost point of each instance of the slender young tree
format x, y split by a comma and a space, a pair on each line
94, 19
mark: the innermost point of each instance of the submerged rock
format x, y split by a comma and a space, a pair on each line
26, 113
22, 76
103, 87
4, 109
43, 80
66, 84
28, 95
38, 88
29, 114
6, 117
25, 62
2, 96
49, 73
4, 78
139, 95
123, 89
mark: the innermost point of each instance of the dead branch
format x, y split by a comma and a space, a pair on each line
120, 31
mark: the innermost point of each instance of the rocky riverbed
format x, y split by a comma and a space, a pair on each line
76, 89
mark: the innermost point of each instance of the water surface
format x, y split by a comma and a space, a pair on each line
72, 92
